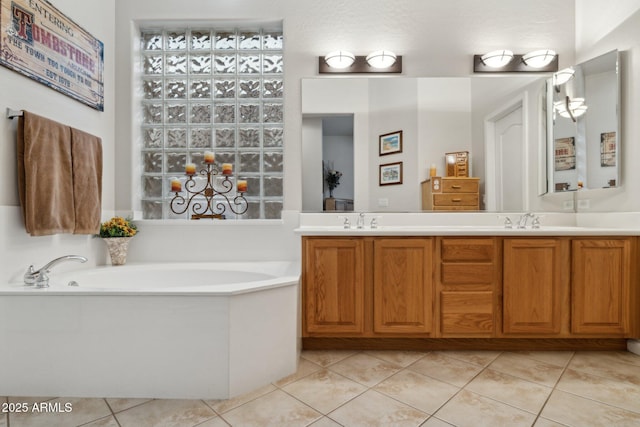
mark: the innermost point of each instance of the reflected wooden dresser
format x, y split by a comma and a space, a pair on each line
451, 194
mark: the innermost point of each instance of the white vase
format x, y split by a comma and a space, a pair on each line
118, 247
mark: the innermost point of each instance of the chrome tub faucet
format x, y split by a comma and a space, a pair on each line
39, 277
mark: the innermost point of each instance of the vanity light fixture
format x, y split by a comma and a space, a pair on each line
341, 62
339, 59
381, 59
497, 58
505, 61
539, 58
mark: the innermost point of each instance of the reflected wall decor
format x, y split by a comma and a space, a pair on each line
390, 143
391, 173
608, 149
565, 154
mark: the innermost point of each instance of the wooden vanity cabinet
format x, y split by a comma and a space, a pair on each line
367, 287
535, 286
333, 277
468, 286
603, 286
403, 286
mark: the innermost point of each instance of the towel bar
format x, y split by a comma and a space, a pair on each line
13, 113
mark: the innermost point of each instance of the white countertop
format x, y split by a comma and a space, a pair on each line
469, 224
464, 230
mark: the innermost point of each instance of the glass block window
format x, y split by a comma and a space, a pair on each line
214, 90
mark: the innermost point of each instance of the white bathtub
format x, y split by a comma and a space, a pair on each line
200, 330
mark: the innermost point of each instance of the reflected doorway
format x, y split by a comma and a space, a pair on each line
337, 163
327, 145
506, 157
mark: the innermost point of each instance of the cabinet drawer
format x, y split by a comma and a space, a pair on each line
467, 250
467, 313
455, 199
459, 185
467, 274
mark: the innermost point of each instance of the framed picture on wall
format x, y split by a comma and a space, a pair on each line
607, 149
391, 173
391, 143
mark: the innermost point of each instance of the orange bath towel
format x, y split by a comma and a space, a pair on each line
59, 177
45, 178
86, 154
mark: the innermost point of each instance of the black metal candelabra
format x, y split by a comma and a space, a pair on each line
207, 205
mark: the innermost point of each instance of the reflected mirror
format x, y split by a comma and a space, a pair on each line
585, 132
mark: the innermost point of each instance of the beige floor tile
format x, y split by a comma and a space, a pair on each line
573, 410
510, 390
82, 411
481, 358
473, 410
365, 369
444, 368
304, 368
527, 369
543, 422
225, 405
215, 422
30, 400
276, 409
166, 413
3, 420
325, 422
325, 358
435, 422
417, 390
373, 409
401, 358
606, 390
607, 364
325, 390
109, 421
118, 405
558, 358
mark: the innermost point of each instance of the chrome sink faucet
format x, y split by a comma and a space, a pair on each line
40, 278
522, 222
360, 223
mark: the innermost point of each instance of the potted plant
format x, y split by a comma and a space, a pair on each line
333, 180
117, 233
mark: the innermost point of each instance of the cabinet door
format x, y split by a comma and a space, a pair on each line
403, 286
601, 286
333, 291
535, 286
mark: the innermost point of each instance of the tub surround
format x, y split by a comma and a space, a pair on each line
151, 343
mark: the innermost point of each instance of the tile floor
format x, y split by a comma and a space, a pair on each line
380, 388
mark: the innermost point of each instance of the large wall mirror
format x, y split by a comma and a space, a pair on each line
436, 116
584, 136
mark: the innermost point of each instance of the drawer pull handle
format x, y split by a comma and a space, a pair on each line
456, 187
456, 200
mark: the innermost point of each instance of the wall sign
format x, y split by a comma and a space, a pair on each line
37, 40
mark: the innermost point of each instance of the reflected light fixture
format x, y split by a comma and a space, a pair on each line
539, 58
563, 76
381, 59
339, 59
570, 108
497, 58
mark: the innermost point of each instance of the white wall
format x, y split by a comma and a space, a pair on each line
17, 248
